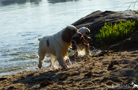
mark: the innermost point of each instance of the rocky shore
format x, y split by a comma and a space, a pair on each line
115, 70
96, 20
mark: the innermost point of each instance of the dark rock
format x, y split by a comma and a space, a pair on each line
131, 42
109, 83
112, 79
96, 20
75, 73
2, 79
65, 76
11, 88
45, 83
112, 63
128, 72
89, 74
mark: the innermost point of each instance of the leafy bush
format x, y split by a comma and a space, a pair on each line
111, 33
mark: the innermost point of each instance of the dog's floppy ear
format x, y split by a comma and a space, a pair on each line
66, 36
68, 33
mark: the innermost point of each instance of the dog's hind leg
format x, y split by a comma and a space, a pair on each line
87, 50
41, 57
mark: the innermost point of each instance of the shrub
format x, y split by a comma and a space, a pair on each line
111, 33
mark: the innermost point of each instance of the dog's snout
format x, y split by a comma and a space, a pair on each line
87, 38
74, 47
73, 42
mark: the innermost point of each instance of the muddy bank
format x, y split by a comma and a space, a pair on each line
115, 70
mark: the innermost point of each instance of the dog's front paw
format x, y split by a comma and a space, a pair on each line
76, 54
68, 62
39, 65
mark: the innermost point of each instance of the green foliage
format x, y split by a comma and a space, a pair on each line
111, 33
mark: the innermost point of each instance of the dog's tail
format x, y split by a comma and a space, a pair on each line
39, 39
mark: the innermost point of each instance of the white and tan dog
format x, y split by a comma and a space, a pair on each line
57, 45
84, 46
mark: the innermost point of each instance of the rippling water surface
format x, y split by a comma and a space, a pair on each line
22, 22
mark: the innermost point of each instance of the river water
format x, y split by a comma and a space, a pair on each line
22, 22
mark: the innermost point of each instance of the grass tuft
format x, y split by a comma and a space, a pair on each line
110, 33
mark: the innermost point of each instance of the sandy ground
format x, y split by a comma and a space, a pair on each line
112, 71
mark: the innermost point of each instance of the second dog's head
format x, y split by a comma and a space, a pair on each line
78, 38
85, 32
